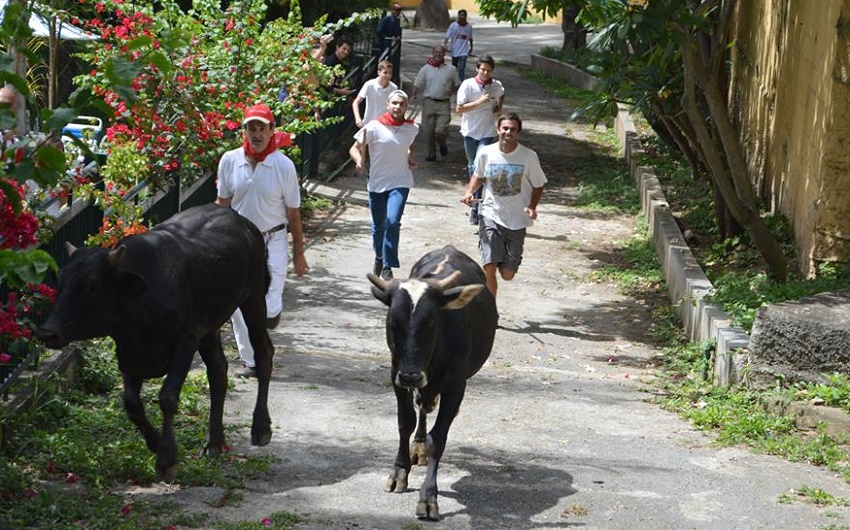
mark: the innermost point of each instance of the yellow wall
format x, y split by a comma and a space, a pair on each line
791, 97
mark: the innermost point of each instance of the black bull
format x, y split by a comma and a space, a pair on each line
440, 328
161, 296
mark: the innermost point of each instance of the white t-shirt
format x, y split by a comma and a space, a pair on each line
261, 194
459, 38
480, 122
388, 148
509, 180
375, 98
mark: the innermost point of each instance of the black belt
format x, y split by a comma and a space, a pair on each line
274, 229
435, 99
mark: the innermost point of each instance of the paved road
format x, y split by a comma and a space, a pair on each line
555, 431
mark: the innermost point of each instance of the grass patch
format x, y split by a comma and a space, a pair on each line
63, 457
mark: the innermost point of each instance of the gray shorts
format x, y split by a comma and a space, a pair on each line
500, 245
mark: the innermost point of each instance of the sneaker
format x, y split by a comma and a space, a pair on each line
247, 372
376, 268
444, 150
387, 273
431, 158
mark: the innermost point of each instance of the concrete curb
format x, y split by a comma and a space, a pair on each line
686, 281
568, 72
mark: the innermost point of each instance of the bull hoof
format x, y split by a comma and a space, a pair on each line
397, 481
261, 438
428, 510
211, 451
166, 472
419, 454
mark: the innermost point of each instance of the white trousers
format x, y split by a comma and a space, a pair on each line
278, 248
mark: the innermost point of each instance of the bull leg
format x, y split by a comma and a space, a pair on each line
169, 399
216, 363
254, 312
397, 481
418, 450
136, 411
452, 395
426, 404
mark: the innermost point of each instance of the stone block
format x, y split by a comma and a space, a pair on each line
803, 338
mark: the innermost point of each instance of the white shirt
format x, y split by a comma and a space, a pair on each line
261, 194
480, 122
509, 180
388, 149
459, 38
375, 97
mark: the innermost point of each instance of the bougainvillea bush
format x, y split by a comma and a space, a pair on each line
175, 84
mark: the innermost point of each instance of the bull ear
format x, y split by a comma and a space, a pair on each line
458, 297
70, 248
131, 284
116, 256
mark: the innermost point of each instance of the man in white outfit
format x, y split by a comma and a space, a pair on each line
261, 184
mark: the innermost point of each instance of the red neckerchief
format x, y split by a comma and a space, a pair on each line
481, 83
434, 63
279, 139
462, 22
387, 119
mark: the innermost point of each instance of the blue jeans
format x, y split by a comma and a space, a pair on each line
470, 147
460, 63
387, 208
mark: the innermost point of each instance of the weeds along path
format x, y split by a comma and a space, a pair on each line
554, 432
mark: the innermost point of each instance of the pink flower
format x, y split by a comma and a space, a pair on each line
266, 521
125, 511
5, 358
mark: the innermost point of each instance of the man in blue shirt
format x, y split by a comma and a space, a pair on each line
387, 33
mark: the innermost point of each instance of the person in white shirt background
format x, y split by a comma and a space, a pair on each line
479, 100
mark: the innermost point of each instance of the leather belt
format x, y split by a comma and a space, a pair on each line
435, 99
274, 229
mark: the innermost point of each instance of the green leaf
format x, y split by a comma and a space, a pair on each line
18, 268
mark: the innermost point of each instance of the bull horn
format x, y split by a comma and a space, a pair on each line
378, 282
70, 248
448, 281
116, 256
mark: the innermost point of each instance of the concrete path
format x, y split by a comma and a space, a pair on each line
556, 430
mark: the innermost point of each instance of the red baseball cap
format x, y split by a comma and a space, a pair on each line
260, 113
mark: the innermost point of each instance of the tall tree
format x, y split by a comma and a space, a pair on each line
670, 60
518, 11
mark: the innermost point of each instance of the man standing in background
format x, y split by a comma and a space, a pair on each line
459, 42
387, 33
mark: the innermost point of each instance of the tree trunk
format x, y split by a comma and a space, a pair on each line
432, 14
725, 161
574, 33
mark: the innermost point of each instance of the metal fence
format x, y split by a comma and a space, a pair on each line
75, 222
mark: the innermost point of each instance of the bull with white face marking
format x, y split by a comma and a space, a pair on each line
441, 323
162, 296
